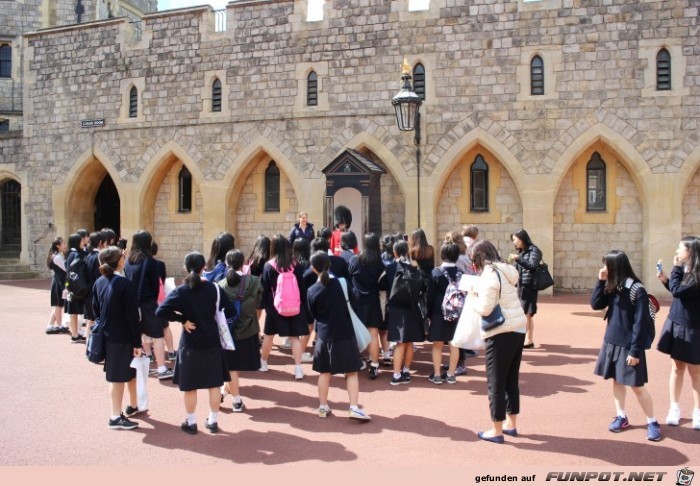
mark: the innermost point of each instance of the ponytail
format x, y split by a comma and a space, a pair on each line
194, 263
321, 262
234, 262
52, 252
193, 280
109, 260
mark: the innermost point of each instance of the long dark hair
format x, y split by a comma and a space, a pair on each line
388, 245
321, 262
419, 247
692, 243
109, 260
483, 253
279, 250
619, 270
74, 241
234, 262
371, 253
522, 235
348, 241
219, 248
140, 246
259, 255
301, 251
55, 244
194, 263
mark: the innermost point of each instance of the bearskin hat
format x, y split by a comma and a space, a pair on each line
343, 215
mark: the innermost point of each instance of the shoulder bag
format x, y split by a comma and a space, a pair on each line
495, 318
362, 335
221, 322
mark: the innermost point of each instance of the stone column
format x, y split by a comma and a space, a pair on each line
537, 197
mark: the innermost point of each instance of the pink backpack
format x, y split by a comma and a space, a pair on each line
286, 299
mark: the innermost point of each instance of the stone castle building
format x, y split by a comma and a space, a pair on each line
576, 119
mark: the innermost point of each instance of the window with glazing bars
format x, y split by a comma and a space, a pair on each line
312, 89
216, 95
479, 185
419, 80
595, 184
184, 191
133, 102
272, 188
536, 76
5, 61
663, 70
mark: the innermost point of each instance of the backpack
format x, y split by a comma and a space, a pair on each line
286, 299
406, 287
76, 279
453, 301
651, 318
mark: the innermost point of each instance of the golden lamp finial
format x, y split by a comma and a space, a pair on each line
405, 67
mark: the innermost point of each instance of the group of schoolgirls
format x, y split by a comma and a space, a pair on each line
630, 332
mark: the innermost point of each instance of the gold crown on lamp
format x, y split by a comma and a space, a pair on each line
405, 67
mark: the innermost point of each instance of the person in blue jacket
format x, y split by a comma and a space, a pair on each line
622, 356
680, 336
115, 303
336, 346
302, 229
215, 268
201, 363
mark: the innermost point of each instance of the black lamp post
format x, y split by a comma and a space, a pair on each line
407, 106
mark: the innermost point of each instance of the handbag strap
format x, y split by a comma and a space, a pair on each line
344, 286
500, 285
218, 296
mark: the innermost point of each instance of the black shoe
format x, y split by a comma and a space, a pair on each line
76, 340
64, 330
469, 353
213, 427
190, 429
400, 380
131, 411
373, 372
529, 346
53, 330
406, 375
122, 423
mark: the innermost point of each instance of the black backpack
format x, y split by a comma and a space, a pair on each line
406, 287
77, 280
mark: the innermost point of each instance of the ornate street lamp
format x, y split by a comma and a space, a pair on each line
407, 105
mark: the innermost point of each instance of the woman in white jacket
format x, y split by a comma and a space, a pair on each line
504, 344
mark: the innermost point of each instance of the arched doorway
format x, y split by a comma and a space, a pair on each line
11, 213
107, 213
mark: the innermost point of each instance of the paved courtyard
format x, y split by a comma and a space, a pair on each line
55, 407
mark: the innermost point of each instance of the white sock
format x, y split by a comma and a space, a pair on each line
374, 365
213, 417
621, 413
114, 417
675, 406
354, 407
406, 370
651, 420
237, 399
397, 375
298, 368
696, 412
191, 419
262, 362
324, 406
162, 369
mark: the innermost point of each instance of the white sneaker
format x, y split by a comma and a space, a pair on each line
298, 373
673, 417
263, 366
286, 344
358, 414
696, 420
307, 358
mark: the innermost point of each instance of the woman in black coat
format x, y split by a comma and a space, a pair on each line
302, 229
201, 363
527, 260
115, 302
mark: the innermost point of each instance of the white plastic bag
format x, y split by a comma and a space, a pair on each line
362, 335
224, 331
141, 364
468, 331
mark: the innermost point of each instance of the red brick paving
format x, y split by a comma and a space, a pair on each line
55, 407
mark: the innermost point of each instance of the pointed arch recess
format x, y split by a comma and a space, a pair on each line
79, 188
629, 157
454, 155
155, 172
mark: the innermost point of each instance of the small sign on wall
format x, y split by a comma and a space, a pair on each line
99, 122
